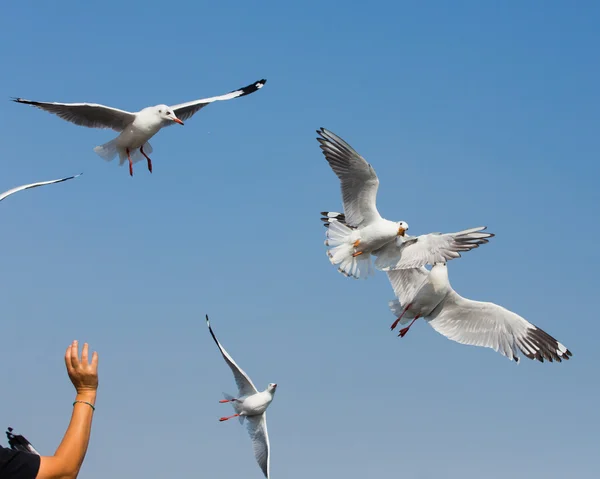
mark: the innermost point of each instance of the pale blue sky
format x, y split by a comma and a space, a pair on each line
471, 114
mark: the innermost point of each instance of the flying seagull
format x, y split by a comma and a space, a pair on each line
427, 294
359, 232
250, 404
135, 128
19, 443
35, 185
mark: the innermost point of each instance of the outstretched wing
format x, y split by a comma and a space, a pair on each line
244, 384
90, 115
359, 182
35, 185
257, 428
19, 443
187, 110
492, 326
417, 251
406, 283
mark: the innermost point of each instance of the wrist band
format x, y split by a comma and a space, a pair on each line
85, 402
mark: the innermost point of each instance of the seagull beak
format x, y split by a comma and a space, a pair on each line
177, 120
401, 231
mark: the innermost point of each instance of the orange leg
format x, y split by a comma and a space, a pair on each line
358, 253
403, 331
130, 162
148, 158
226, 418
227, 400
356, 243
395, 323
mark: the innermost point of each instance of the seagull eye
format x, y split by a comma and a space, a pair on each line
160, 111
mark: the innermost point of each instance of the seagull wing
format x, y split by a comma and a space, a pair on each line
417, 251
187, 110
406, 283
91, 115
244, 384
358, 179
257, 428
19, 443
492, 326
35, 185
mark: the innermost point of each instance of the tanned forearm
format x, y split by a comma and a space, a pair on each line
75, 443
67, 459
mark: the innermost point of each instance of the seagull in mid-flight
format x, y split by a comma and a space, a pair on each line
251, 405
135, 128
35, 185
427, 294
359, 232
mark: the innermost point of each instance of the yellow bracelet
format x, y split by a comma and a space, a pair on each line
85, 402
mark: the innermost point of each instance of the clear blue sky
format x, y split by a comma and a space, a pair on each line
471, 114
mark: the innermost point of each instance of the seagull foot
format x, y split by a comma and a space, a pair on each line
358, 253
222, 401
227, 418
395, 323
147, 158
403, 331
356, 243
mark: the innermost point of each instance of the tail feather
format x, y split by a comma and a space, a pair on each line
340, 239
109, 150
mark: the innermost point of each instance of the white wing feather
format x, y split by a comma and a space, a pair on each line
257, 428
35, 185
414, 252
492, 326
358, 179
187, 110
406, 283
244, 384
90, 115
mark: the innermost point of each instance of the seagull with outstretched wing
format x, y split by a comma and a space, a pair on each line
249, 404
359, 232
427, 294
135, 128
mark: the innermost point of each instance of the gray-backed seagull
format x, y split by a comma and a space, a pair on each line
359, 232
135, 128
427, 294
251, 405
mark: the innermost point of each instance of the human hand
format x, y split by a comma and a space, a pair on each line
83, 374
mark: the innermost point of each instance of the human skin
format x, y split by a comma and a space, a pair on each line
68, 458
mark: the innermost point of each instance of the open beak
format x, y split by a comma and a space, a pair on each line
177, 120
401, 231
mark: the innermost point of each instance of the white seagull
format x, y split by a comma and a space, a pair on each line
428, 295
35, 185
250, 404
361, 231
135, 128
19, 443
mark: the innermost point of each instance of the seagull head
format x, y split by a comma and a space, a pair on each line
271, 387
166, 113
402, 227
